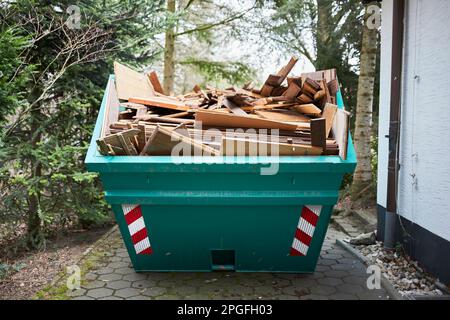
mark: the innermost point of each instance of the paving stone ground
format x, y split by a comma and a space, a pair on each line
339, 275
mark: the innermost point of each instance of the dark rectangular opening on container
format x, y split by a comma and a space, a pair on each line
222, 260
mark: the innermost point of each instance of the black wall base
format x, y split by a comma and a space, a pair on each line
431, 251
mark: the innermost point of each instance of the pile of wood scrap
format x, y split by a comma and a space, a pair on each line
300, 112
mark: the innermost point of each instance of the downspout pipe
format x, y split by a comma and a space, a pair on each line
394, 123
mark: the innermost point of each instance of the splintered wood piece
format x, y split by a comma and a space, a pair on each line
153, 77
212, 118
282, 115
308, 109
233, 107
162, 102
329, 111
318, 129
339, 131
232, 146
163, 141
130, 83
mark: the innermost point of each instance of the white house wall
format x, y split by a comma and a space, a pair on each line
424, 176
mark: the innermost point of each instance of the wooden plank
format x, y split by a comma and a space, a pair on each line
153, 77
141, 137
318, 130
244, 147
324, 87
163, 141
212, 118
339, 131
161, 102
111, 109
333, 87
284, 71
153, 118
274, 106
329, 111
233, 107
121, 140
130, 83
304, 99
310, 87
282, 115
308, 109
127, 145
178, 114
292, 91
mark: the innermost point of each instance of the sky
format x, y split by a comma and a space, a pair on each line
264, 59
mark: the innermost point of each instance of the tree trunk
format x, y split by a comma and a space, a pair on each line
35, 234
169, 53
363, 122
323, 33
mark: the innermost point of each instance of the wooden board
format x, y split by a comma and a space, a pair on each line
123, 142
328, 75
308, 109
282, 115
284, 71
292, 91
244, 147
227, 120
161, 102
339, 131
130, 83
233, 107
318, 130
163, 141
111, 114
153, 77
152, 118
329, 112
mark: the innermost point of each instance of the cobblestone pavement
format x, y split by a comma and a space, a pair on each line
338, 275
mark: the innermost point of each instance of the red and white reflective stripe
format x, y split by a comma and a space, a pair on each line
305, 230
136, 226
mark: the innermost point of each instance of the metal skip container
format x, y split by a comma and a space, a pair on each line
209, 215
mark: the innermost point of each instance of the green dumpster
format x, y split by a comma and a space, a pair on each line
208, 216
